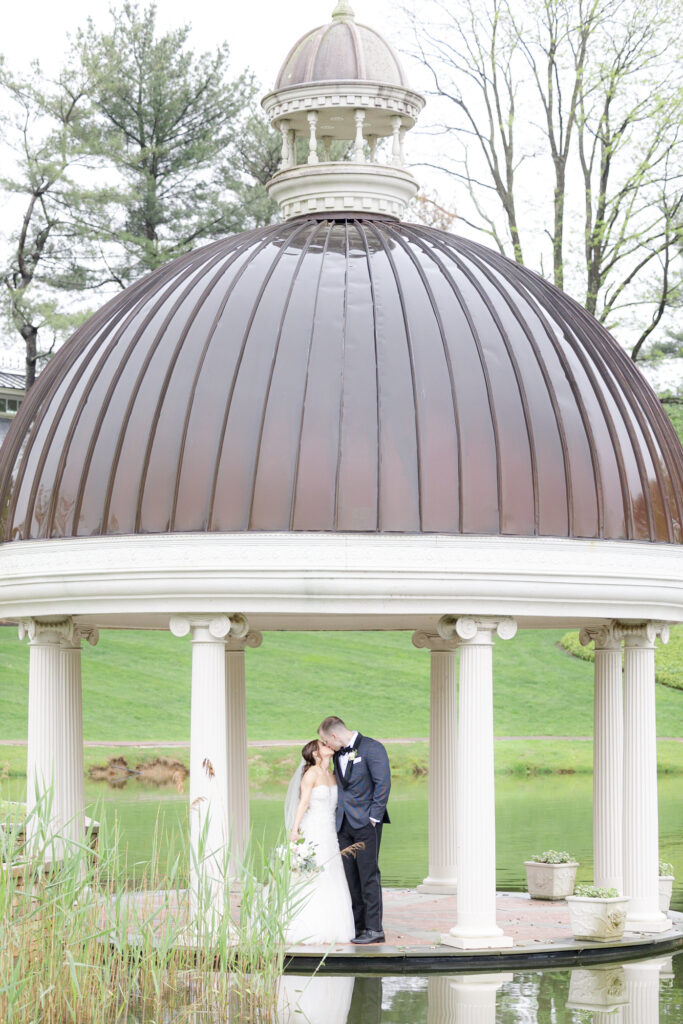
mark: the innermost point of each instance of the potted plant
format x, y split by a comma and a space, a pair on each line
597, 914
666, 884
550, 875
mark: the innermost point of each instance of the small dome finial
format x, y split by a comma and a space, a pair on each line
343, 10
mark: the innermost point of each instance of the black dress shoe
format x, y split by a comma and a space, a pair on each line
365, 938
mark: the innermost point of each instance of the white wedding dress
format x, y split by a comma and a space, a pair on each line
323, 903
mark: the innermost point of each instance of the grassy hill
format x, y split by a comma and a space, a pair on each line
137, 686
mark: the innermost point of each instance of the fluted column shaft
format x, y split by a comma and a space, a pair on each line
443, 726
464, 999
608, 753
238, 772
476, 926
641, 820
643, 992
54, 763
214, 861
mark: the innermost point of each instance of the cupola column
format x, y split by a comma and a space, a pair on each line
475, 825
358, 152
213, 860
313, 142
284, 132
443, 744
641, 819
54, 764
238, 773
396, 142
608, 753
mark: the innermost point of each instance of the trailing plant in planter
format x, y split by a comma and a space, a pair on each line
553, 857
550, 875
597, 913
666, 885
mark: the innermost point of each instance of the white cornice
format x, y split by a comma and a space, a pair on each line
336, 580
338, 94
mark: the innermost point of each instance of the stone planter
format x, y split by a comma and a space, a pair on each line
666, 884
598, 919
597, 989
550, 881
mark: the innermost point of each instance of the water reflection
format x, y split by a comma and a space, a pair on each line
644, 992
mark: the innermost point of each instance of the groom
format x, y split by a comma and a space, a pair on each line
364, 779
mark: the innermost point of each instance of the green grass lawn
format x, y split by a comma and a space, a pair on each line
137, 686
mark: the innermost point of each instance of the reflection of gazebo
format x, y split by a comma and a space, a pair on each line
348, 422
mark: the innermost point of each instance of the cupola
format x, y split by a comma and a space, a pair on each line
342, 83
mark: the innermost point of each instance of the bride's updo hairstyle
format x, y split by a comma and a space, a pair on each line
308, 753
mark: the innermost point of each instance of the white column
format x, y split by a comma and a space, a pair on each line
641, 820
608, 752
476, 926
358, 154
464, 998
312, 142
54, 763
327, 142
443, 728
642, 979
238, 774
396, 142
69, 780
210, 810
284, 131
372, 143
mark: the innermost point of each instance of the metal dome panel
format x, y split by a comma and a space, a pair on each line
341, 51
347, 374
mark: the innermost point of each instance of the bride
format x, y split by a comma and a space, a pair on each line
323, 914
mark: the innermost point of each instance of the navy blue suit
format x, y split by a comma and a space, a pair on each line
363, 793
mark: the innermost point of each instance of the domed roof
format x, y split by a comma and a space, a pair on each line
339, 51
345, 374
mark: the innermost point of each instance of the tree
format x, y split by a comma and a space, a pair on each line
173, 126
565, 120
48, 252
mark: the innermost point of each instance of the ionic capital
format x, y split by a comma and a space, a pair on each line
473, 631
642, 634
45, 631
207, 629
81, 632
434, 641
605, 637
238, 643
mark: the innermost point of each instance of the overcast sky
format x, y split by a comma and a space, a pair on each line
259, 32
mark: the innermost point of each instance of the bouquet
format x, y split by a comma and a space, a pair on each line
302, 857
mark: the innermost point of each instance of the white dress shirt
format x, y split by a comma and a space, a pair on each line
344, 760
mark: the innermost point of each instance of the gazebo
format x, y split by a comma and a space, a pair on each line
343, 421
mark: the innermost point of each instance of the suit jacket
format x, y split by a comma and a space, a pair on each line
364, 791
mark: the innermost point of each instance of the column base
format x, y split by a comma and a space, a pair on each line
438, 886
656, 922
497, 940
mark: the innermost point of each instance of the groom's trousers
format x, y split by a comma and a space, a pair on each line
362, 874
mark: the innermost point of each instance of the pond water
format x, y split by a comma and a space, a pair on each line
551, 812
645, 992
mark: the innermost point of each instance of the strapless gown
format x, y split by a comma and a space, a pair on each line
323, 913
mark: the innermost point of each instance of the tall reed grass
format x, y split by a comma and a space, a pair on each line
86, 936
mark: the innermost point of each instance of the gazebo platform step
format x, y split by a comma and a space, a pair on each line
414, 923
